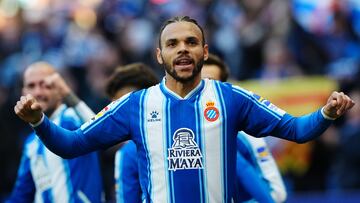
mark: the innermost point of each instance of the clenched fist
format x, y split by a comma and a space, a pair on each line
28, 109
337, 104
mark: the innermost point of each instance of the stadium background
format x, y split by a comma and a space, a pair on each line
292, 52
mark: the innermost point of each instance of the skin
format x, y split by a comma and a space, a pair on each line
211, 72
36, 84
181, 40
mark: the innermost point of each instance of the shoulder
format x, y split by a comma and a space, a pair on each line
128, 148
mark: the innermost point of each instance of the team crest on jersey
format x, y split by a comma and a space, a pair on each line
268, 104
211, 113
184, 153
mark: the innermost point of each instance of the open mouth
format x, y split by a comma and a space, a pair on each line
183, 62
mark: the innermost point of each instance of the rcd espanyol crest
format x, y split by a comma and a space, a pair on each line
184, 153
211, 113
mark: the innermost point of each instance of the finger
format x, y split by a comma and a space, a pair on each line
350, 103
340, 98
35, 106
333, 103
18, 112
30, 98
342, 104
16, 109
19, 105
23, 100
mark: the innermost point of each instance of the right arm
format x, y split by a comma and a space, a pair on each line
93, 135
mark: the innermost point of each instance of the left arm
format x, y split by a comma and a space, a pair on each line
301, 129
259, 117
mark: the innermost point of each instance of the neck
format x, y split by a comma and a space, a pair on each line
180, 88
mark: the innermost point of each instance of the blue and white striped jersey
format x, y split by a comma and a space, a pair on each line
257, 173
256, 153
186, 146
46, 177
127, 184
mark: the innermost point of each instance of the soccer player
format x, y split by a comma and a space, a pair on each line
258, 177
126, 79
184, 128
42, 175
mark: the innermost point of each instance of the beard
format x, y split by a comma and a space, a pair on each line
196, 71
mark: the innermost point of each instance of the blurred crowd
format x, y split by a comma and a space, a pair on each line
259, 39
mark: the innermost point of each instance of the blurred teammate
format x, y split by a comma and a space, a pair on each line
44, 176
261, 180
126, 79
184, 128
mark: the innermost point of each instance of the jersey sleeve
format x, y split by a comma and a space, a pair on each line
255, 115
108, 127
24, 189
259, 117
302, 129
268, 168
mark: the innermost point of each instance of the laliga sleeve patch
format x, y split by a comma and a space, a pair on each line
269, 105
98, 115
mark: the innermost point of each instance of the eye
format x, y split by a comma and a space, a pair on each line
192, 41
171, 44
30, 86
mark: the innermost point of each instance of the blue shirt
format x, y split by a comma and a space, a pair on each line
267, 185
127, 184
186, 146
46, 177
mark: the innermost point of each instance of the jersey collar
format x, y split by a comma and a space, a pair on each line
170, 93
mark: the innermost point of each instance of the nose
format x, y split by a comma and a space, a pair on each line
183, 48
37, 91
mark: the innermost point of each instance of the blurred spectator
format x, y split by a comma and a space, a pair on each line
346, 169
278, 62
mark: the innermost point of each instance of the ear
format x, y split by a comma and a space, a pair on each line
158, 56
206, 52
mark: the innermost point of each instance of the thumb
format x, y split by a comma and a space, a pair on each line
36, 106
333, 103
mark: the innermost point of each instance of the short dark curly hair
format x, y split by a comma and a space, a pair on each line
215, 60
136, 75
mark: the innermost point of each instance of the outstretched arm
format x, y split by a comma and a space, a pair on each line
98, 134
305, 128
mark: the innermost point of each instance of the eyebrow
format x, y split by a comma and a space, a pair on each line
170, 41
191, 38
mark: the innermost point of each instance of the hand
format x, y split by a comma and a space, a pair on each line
337, 105
28, 109
55, 80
